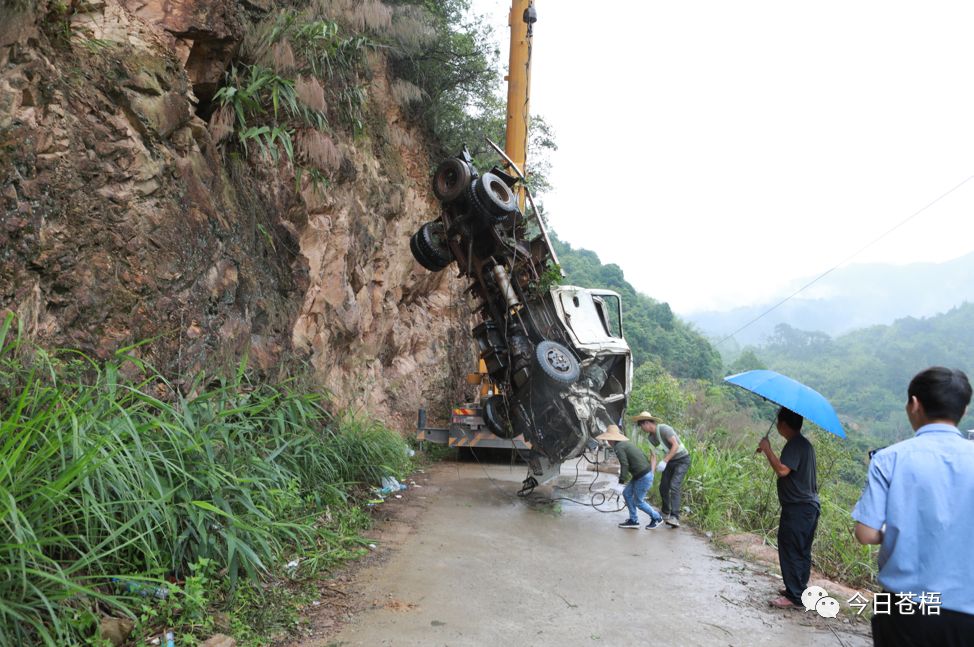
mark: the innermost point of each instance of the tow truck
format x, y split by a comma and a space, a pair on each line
468, 421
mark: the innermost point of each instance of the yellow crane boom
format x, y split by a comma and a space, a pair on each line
521, 21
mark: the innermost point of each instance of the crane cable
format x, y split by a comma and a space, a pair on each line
843, 262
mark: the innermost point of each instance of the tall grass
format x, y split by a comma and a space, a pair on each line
732, 490
106, 472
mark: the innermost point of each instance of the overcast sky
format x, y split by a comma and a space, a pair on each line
719, 150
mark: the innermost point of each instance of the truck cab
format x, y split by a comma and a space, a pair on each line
593, 321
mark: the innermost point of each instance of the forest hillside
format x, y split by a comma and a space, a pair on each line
865, 372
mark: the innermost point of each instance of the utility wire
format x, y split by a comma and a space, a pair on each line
843, 262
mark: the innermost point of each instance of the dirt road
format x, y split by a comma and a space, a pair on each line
479, 566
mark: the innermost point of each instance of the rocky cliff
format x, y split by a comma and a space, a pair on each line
127, 217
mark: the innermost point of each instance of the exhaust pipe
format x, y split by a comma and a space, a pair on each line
504, 283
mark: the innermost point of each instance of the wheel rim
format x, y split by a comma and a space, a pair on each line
558, 360
451, 180
500, 190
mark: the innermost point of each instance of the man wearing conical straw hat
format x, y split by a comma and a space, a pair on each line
632, 461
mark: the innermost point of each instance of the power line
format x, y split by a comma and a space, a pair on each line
846, 260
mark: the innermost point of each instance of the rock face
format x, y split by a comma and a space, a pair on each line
203, 34
123, 222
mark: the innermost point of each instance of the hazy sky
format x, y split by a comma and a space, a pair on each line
719, 150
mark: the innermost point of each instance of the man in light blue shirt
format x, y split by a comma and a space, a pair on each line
919, 505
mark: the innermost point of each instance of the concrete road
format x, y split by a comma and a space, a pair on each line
485, 567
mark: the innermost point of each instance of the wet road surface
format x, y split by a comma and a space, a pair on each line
482, 566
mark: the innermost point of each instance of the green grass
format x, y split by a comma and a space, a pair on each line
265, 102
108, 472
732, 490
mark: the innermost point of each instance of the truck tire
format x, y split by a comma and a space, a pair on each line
421, 257
486, 206
428, 246
557, 363
495, 415
492, 202
495, 197
451, 179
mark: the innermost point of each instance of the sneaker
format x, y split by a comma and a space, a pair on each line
673, 522
629, 523
655, 523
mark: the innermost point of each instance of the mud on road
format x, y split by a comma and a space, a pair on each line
463, 561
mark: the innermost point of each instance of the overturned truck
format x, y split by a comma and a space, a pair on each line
555, 353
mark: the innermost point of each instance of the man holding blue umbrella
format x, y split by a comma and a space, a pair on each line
795, 469
798, 496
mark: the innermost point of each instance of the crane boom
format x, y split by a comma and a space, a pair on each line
521, 21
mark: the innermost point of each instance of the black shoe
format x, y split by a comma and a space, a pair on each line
655, 523
629, 523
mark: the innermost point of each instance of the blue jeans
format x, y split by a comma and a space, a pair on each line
635, 496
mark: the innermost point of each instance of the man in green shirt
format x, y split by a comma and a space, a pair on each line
632, 462
675, 464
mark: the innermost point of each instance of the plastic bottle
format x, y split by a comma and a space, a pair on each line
143, 589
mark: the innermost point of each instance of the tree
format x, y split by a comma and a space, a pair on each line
865, 373
747, 361
455, 65
663, 396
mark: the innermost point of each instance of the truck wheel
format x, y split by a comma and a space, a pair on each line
421, 256
557, 362
495, 196
451, 179
428, 246
495, 415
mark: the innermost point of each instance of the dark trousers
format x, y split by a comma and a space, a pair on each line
796, 530
896, 629
671, 484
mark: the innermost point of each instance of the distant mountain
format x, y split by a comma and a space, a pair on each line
851, 297
865, 373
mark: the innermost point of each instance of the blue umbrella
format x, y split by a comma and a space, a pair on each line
803, 400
